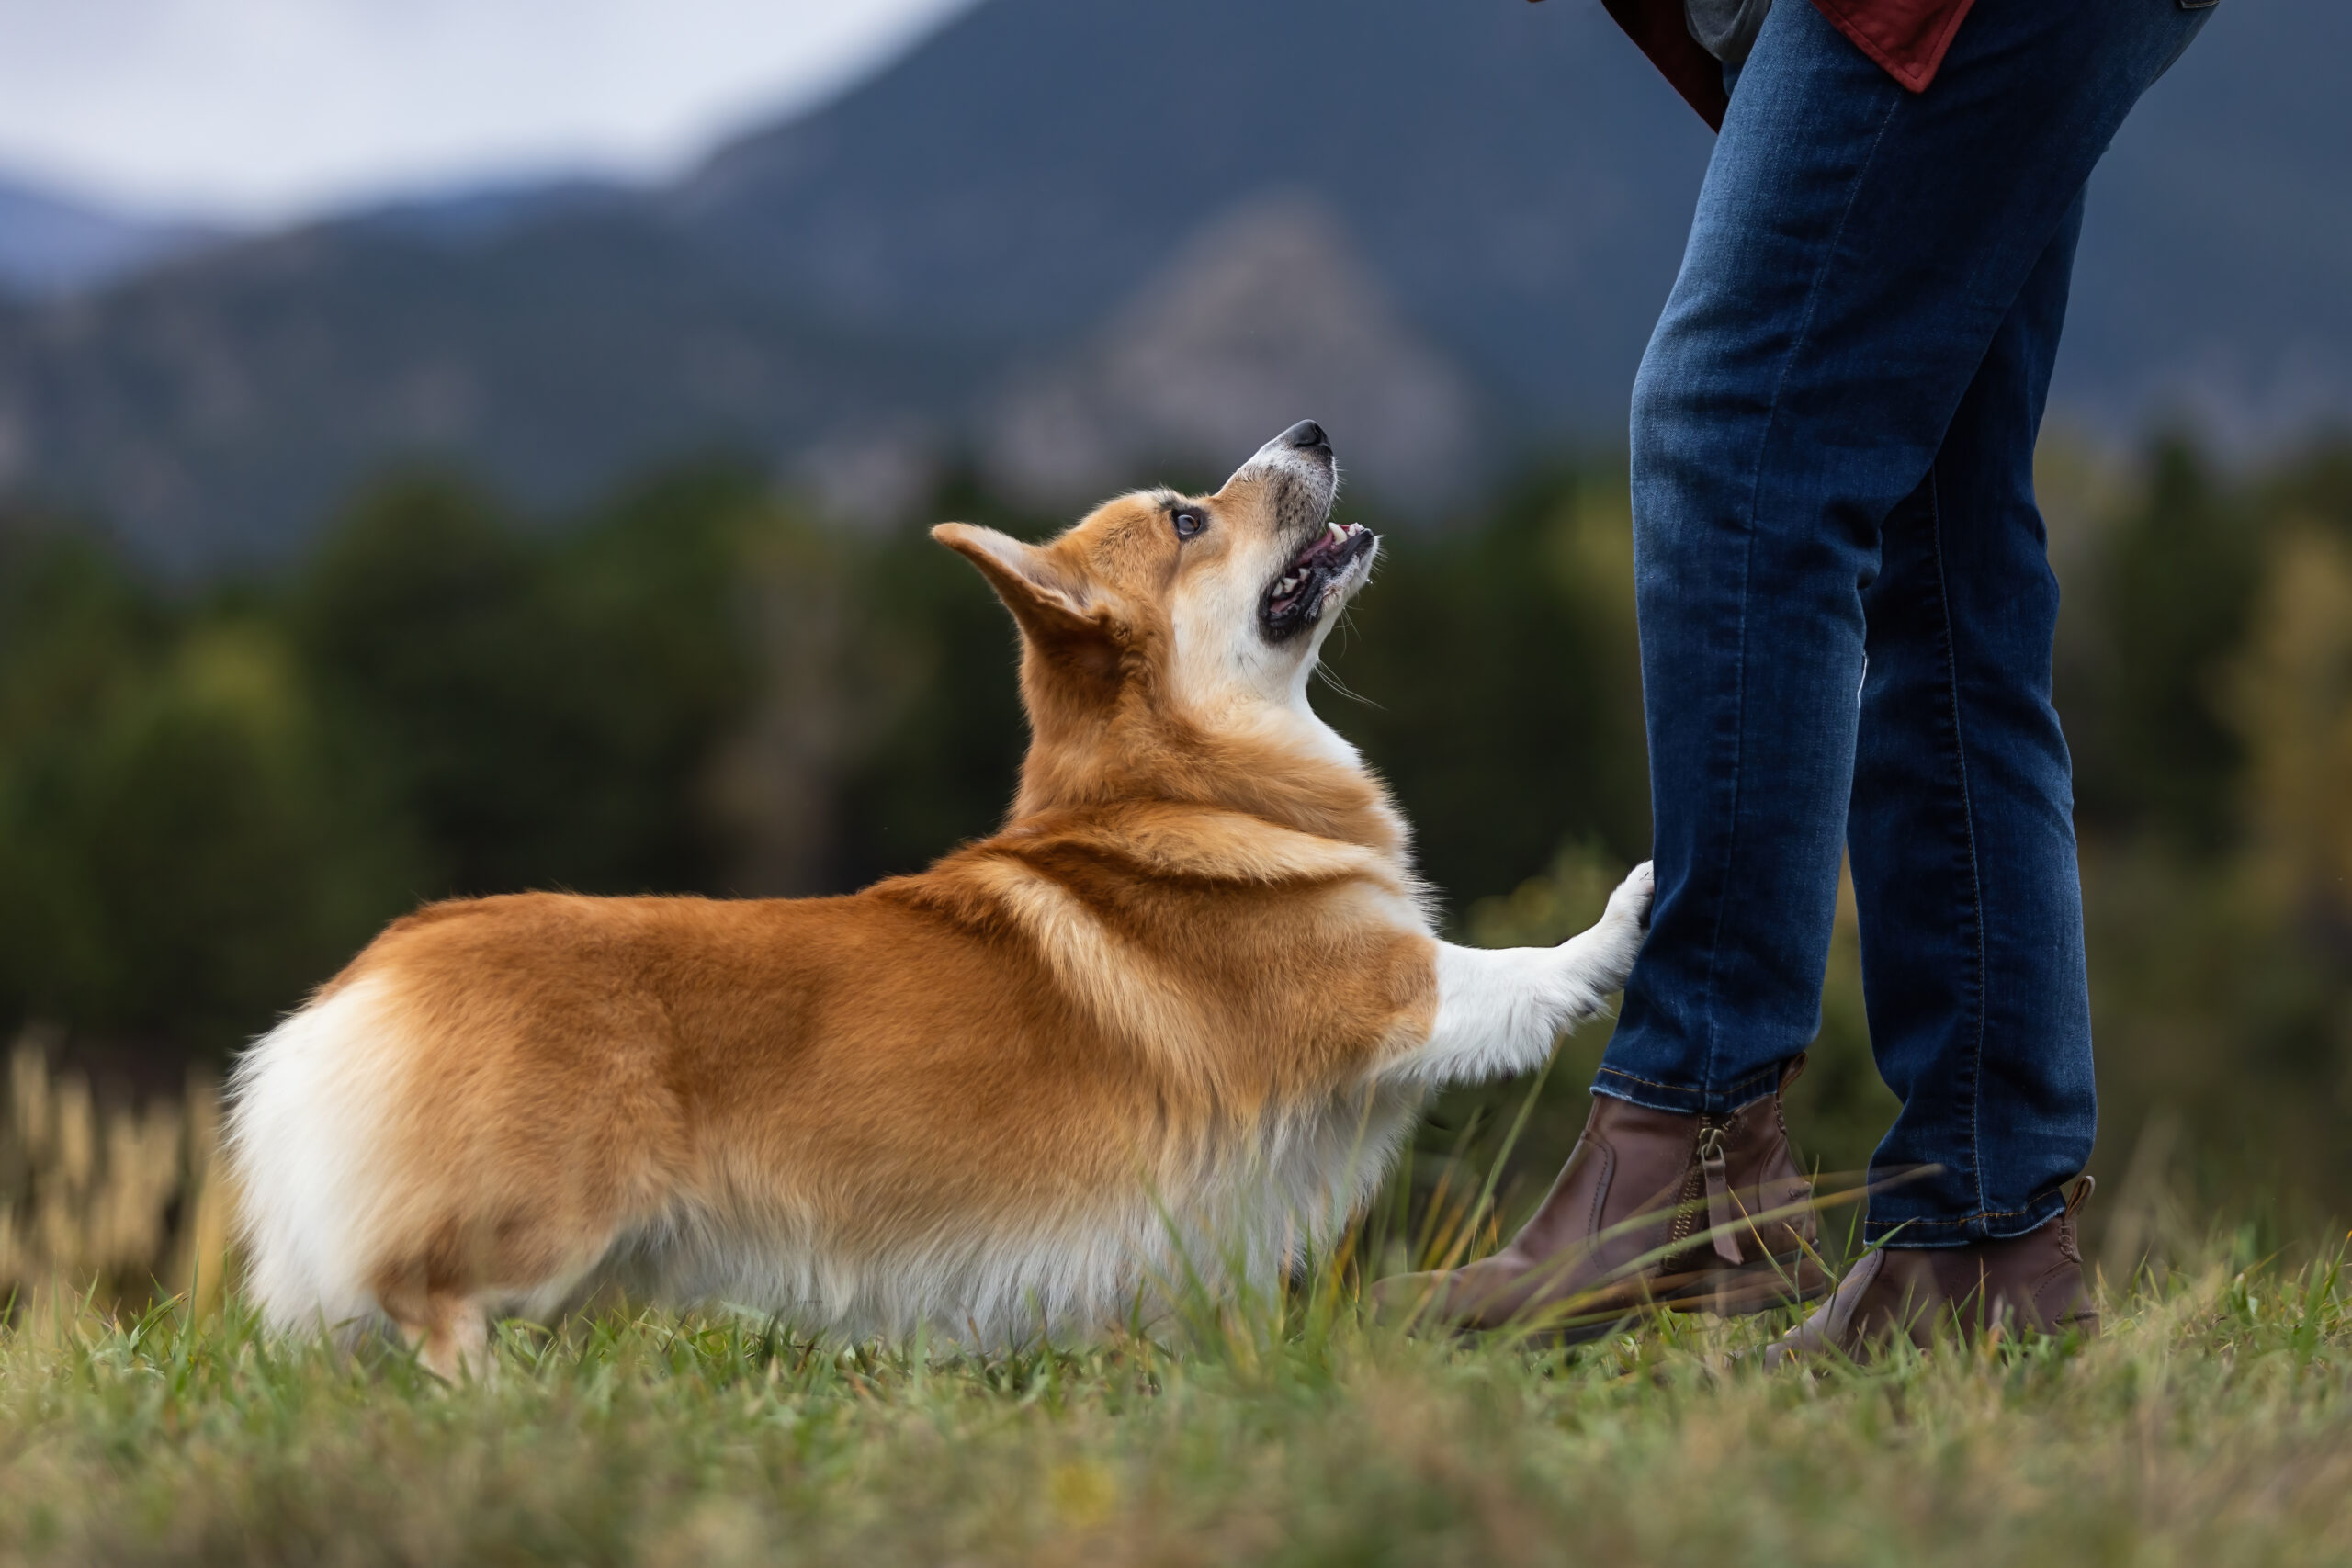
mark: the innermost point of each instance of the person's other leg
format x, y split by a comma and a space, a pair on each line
1962, 827
1856, 250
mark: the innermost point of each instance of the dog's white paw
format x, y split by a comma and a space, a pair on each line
1617, 935
1632, 900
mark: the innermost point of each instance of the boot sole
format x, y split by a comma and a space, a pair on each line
1788, 1280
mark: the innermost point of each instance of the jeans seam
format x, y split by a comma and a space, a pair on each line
1968, 822
1653, 1083
1764, 1076
1970, 1219
1748, 565
1964, 1220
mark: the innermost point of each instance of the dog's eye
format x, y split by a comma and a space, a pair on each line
1189, 523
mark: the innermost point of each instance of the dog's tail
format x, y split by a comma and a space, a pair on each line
307, 1104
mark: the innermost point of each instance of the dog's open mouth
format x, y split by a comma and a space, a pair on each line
1307, 585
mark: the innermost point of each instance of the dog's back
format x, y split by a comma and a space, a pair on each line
1002, 1089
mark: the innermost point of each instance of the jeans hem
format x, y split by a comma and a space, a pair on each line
1993, 1225
1680, 1099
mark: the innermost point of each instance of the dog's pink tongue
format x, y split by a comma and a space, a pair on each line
1329, 542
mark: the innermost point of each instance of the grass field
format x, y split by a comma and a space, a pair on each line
2212, 1425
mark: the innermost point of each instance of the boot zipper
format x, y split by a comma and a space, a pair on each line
1687, 1203
1714, 1174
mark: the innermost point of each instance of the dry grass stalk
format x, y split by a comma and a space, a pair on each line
114, 1204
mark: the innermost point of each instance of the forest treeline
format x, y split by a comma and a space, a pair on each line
211, 796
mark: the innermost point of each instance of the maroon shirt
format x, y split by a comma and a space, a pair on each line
1907, 37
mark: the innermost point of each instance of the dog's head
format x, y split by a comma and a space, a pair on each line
1208, 609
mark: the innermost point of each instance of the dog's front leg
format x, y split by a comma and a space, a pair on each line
1500, 1010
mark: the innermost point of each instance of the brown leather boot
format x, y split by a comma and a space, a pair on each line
2032, 1282
1638, 1183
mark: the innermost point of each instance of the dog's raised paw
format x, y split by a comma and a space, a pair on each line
1624, 926
1605, 955
1632, 900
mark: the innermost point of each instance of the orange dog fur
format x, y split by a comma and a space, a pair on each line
1181, 1009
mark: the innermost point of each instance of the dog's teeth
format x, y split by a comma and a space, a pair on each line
1286, 584
1338, 531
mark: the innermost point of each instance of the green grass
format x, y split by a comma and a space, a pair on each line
2212, 1425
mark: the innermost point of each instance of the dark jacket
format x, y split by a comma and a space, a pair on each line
1906, 36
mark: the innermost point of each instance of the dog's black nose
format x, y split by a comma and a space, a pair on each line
1304, 433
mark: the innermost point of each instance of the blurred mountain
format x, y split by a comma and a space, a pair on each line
52, 246
477, 215
1268, 310
1068, 239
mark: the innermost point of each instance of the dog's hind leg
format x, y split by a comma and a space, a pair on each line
448, 1332
1500, 1011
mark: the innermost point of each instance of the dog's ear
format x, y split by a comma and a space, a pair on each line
1057, 612
1023, 576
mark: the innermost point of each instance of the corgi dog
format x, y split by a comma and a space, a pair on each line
1175, 1017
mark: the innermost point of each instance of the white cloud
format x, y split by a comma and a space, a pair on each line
262, 109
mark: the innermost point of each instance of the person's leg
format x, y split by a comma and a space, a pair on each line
1856, 251
1962, 827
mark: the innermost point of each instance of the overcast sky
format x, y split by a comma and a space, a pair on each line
258, 110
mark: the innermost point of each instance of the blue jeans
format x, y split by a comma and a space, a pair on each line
1845, 601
